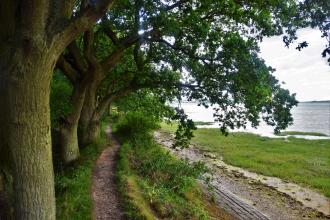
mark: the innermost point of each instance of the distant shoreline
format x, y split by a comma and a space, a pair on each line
324, 101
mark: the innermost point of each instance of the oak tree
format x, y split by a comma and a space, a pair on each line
33, 34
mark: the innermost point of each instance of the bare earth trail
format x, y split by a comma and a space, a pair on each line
242, 195
106, 199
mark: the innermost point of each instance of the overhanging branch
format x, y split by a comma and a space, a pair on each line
67, 69
183, 50
79, 60
89, 48
81, 22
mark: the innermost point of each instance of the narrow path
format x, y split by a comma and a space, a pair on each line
106, 200
241, 195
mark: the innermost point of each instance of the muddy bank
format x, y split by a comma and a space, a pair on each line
271, 196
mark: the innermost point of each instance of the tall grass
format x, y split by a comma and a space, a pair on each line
154, 184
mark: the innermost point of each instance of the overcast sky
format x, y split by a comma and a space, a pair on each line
306, 72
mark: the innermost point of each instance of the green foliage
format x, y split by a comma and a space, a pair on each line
313, 14
317, 13
136, 126
152, 181
60, 103
184, 132
148, 102
162, 169
146, 107
202, 50
207, 51
162, 179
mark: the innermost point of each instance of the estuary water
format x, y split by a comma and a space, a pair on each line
308, 117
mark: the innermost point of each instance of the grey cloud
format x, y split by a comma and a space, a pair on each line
304, 72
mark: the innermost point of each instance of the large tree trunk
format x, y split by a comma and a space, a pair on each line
32, 35
25, 128
92, 131
69, 128
69, 143
88, 131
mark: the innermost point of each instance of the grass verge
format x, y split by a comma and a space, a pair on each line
73, 184
156, 185
306, 162
153, 183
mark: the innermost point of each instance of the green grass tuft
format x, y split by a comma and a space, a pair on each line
153, 183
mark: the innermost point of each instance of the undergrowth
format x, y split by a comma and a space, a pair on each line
153, 183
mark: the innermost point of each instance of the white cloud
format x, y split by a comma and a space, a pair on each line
304, 72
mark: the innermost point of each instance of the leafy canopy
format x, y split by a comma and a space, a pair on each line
213, 47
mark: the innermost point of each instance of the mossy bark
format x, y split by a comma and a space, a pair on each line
69, 144
92, 133
25, 129
32, 36
88, 125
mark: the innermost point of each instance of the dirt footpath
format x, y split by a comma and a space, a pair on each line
106, 199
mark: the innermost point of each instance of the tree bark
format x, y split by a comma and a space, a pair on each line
86, 126
69, 144
32, 36
69, 128
25, 129
92, 133
93, 111
89, 127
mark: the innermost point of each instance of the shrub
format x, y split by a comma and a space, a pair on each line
135, 125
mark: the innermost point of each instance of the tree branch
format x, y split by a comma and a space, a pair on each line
183, 50
115, 95
110, 33
78, 58
59, 11
84, 19
110, 62
67, 69
89, 48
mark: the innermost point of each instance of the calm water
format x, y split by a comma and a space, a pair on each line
308, 117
